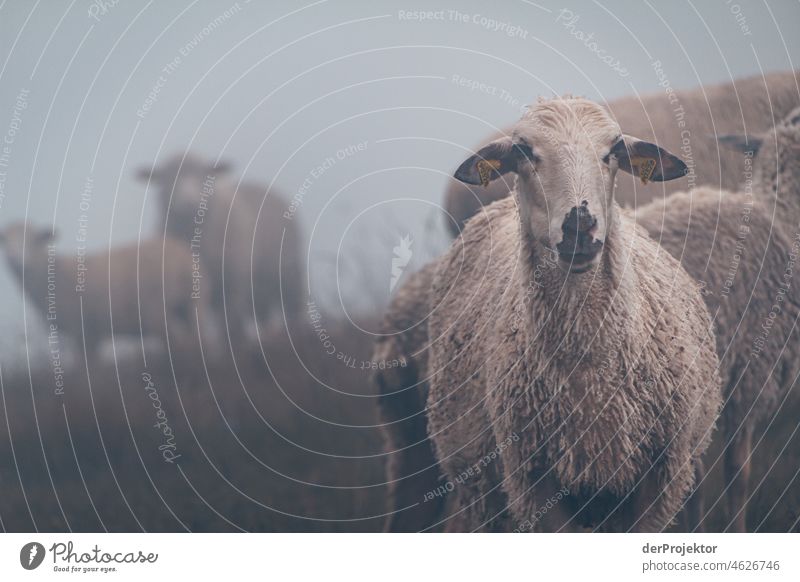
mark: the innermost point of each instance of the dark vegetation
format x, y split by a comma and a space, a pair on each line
264, 444
252, 454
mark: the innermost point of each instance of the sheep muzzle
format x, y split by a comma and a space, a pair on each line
578, 247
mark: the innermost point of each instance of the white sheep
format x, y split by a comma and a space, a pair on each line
743, 248
411, 467
246, 249
140, 290
597, 374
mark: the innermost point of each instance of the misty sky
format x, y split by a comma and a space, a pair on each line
278, 88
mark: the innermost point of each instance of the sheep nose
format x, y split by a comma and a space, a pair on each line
579, 220
578, 247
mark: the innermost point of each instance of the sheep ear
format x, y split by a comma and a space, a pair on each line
146, 174
648, 161
489, 163
44, 235
746, 144
222, 167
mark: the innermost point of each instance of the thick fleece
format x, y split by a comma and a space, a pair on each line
729, 244
609, 382
411, 468
744, 249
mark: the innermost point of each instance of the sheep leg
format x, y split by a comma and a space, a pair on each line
412, 469
479, 506
236, 325
476, 501
203, 324
695, 506
230, 322
552, 512
290, 305
535, 500
89, 348
182, 326
524, 489
656, 501
737, 476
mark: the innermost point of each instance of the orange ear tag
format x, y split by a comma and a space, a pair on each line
485, 168
645, 167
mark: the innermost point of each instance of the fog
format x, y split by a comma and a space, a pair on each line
355, 113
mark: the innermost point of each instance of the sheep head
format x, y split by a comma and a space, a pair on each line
182, 181
565, 153
776, 163
20, 240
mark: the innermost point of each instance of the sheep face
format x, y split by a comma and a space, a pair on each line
19, 240
777, 157
565, 154
775, 163
183, 183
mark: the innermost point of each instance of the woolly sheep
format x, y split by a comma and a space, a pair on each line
141, 290
685, 121
742, 247
598, 374
247, 251
411, 467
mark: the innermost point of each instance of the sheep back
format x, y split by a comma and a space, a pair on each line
729, 243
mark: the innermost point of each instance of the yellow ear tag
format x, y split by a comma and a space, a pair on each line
645, 166
485, 168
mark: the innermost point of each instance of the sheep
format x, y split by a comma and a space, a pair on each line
685, 121
141, 290
248, 252
742, 246
597, 374
402, 391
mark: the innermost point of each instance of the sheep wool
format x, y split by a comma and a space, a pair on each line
148, 288
412, 470
600, 382
250, 253
743, 249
